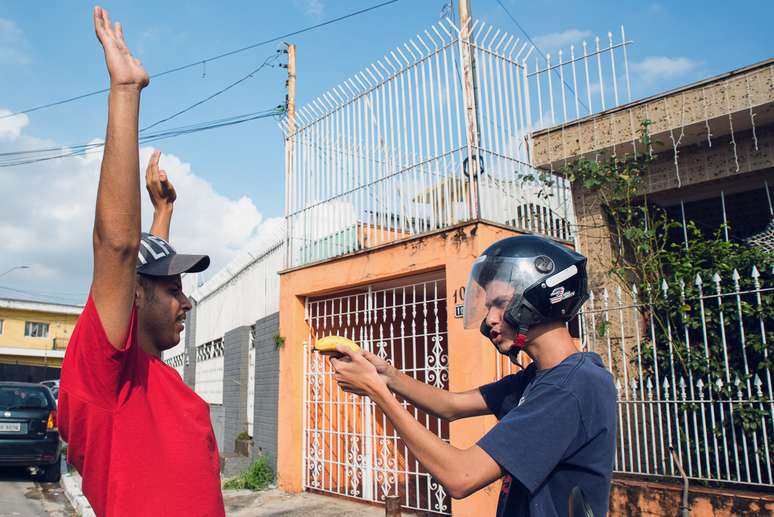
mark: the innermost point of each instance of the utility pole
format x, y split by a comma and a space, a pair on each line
471, 106
290, 106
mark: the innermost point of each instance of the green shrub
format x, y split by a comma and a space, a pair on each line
257, 477
244, 436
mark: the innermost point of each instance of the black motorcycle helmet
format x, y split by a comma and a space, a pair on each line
548, 280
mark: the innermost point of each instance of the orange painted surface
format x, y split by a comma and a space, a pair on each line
472, 359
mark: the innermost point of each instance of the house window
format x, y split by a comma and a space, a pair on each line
33, 329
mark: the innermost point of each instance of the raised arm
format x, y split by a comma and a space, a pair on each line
117, 221
460, 471
438, 402
162, 195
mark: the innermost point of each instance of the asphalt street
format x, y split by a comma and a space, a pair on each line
22, 497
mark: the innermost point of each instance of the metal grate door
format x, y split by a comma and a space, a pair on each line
350, 448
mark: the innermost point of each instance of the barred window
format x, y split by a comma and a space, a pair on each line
34, 329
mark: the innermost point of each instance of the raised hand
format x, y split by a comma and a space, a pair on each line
125, 70
162, 192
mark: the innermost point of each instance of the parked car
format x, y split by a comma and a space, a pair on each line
28, 430
53, 383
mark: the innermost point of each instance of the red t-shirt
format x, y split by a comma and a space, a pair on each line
141, 439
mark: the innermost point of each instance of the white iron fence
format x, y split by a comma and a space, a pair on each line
350, 448
586, 80
392, 152
692, 362
177, 362
209, 371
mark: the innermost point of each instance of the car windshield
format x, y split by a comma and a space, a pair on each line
22, 397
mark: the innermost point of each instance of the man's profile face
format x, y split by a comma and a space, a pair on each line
162, 309
498, 296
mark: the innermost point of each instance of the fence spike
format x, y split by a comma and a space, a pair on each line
649, 384
665, 384
682, 385
755, 273
719, 384
758, 385
664, 287
698, 280
716, 278
635, 291
700, 384
605, 295
618, 385
735, 276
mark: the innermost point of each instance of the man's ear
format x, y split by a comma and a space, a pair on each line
139, 294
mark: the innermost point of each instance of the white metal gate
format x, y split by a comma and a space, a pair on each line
350, 448
209, 371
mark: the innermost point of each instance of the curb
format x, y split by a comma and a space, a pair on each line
71, 483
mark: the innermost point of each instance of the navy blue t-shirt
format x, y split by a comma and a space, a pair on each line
556, 430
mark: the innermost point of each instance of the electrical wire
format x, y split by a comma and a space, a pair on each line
84, 149
213, 58
50, 296
269, 59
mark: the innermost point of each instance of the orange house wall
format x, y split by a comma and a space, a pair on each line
472, 360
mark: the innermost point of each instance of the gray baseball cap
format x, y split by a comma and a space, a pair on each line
157, 257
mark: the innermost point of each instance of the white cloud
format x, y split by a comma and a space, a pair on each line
47, 214
12, 43
660, 68
561, 40
11, 127
310, 7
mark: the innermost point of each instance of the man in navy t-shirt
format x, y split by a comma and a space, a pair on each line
556, 427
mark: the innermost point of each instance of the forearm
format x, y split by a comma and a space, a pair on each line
437, 456
438, 402
432, 400
162, 218
117, 219
461, 472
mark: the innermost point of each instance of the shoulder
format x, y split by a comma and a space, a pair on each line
585, 378
580, 373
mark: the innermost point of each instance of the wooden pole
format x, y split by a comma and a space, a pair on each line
290, 141
470, 98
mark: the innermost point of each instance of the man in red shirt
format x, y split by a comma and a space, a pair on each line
141, 439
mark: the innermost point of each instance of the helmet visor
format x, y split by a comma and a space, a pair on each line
493, 283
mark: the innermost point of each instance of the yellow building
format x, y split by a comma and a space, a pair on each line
33, 338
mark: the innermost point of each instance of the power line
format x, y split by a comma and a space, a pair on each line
207, 60
51, 296
539, 51
266, 62
84, 149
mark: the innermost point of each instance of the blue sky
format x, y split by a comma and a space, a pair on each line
49, 52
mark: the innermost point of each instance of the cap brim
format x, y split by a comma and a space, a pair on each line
175, 265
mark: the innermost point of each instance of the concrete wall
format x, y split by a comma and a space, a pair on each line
189, 366
266, 387
236, 344
216, 416
630, 498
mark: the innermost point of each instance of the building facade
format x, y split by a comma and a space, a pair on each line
33, 338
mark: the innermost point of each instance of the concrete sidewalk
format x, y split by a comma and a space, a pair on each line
246, 503
274, 502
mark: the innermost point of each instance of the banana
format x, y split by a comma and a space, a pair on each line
328, 344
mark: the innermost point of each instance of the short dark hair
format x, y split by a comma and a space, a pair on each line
148, 286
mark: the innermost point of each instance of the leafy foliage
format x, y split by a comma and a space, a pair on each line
703, 312
257, 477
